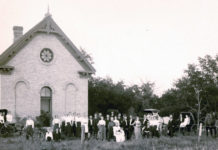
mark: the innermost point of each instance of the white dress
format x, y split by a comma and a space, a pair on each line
137, 129
49, 134
185, 123
119, 134
117, 122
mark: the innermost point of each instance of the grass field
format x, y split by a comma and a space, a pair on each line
162, 143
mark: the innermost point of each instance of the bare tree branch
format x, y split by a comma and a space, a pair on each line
193, 109
205, 106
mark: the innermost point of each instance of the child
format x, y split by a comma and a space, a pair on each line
29, 128
49, 135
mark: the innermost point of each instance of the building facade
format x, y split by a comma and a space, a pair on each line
43, 71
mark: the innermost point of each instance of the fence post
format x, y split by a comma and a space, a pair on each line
200, 132
82, 134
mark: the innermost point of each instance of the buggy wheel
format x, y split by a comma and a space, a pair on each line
194, 129
3, 131
11, 129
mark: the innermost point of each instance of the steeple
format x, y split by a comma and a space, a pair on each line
48, 12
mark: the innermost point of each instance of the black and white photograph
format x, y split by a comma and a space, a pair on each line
108, 75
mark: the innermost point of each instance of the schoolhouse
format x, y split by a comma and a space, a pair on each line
44, 71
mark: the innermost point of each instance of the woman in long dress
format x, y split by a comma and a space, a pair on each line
137, 128
118, 133
184, 124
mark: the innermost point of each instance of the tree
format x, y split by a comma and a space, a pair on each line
198, 88
196, 91
86, 55
105, 95
170, 103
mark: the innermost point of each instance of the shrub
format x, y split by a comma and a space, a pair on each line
43, 120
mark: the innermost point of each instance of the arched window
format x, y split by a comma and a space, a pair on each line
45, 92
46, 100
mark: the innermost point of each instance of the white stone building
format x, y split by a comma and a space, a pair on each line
43, 70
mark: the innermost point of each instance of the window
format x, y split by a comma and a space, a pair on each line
45, 92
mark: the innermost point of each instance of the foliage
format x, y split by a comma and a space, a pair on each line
196, 91
105, 95
43, 120
87, 56
198, 88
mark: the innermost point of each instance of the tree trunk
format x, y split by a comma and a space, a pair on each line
199, 107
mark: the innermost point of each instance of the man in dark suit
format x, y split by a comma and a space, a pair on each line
106, 126
131, 126
125, 126
145, 126
208, 123
95, 125
119, 118
112, 114
214, 119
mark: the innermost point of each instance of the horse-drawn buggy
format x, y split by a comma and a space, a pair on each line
153, 117
7, 126
154, 122
188, 122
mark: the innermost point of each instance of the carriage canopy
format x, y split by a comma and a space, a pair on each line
151, 111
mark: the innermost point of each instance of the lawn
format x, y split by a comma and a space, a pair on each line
162, 143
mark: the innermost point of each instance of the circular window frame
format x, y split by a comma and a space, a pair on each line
51, 61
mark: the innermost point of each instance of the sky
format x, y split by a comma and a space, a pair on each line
131, 40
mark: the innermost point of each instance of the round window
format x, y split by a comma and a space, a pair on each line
46, 55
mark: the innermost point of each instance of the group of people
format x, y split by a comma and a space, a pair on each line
184, 123
118, 127
66, 126
110, 127
211, 124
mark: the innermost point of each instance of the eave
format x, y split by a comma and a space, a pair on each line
6, 69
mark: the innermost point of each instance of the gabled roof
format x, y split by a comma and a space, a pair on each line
47, 25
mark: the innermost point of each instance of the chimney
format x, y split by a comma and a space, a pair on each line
18, 32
